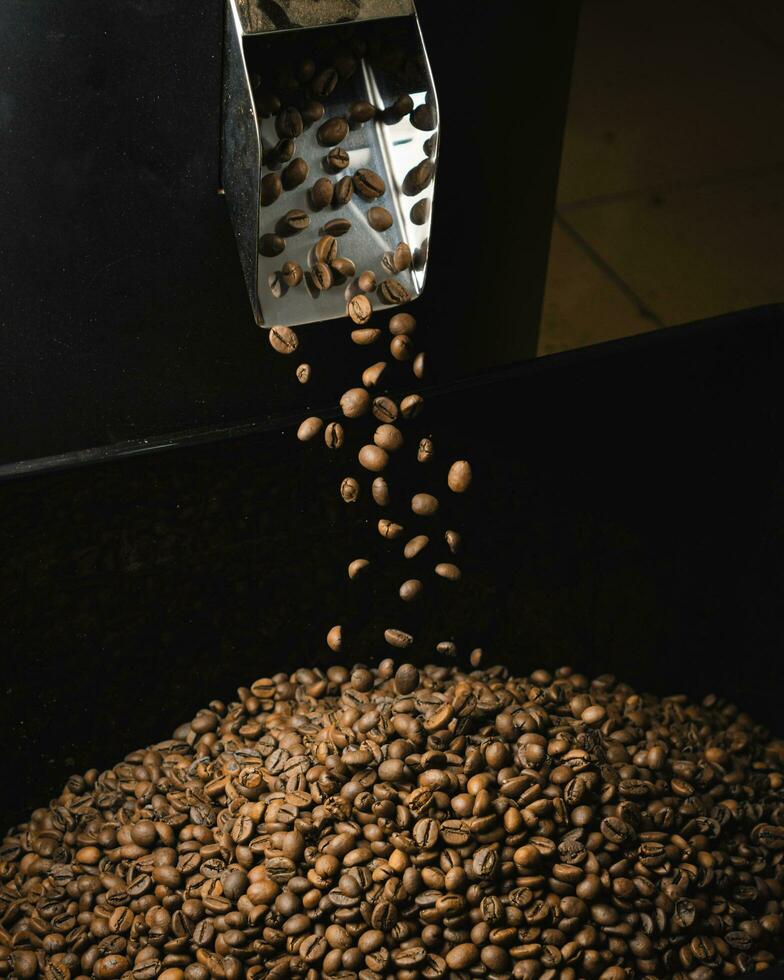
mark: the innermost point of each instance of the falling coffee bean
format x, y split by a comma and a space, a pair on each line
312, 111
271, 245
419, 365
337, 227
430, 145
321, 276
453, 541
388, 436
271, 189
373, 458
416, 545
332, 132
325, 249
424, 118
402, 257
388, 529
424, 504
371, 375
448, 571
283, 339
303, 373
446, 648
361, 112
334, 435
294, 174
357, 566
401, 348
399, 639
384, 409
402, 324
349, 490
411, 406
335, 639
411, 589
309, 428
368, 184
354, 403
292, 273
459, 476
380, 491
476, 657
420, 212
392, 291
277, 285
282, 152
337, 159
401, 107
379, 218
418, 178
343, 267
321, 193
295, 221
323, 85
288, 123
365, 336
359, 309
425, 450
344, 190
367, 281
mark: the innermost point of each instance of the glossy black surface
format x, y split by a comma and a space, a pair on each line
122, 305
625, 517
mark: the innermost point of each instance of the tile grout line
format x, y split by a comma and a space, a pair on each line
607, 269
728, 177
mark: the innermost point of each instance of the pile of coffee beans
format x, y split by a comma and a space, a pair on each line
365, 823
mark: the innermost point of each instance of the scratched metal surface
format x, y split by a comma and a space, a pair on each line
262, 16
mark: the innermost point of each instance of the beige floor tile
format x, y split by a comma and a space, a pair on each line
668, 91
694, 252
582, 304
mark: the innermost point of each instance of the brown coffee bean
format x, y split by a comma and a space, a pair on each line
371, 375
325, 249
321, 193
431, 145
462, 957
282, 152
425, 450
416, 545
476, 658
365, 336
380, 491
349, 490
419, 366
420, 212
283, 339
459, 476
418, 178
388, 437
406, 679
344, 191
401, 107
393, 291
335, 639
402, 324
294, 221
361, 112
312, 111
336, 160
379, 218
453, 541
294, 174
292, 273
277, 285
447, 571
355, 402
367, 281
337, 227
288, 123
271, 245
424, 504
384, 409
402, 257
401, 348
368, 184
343, 267
323, 84
388, 529
424, 118
309, 428
411, 589
304, 373
357, 566
271, 189
321, 276
373, 458
332, 132
334, 435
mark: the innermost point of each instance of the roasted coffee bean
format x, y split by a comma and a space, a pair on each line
349, 490
294, 174
431, 145
402, 257
411, 589
419, 366
401, 348
361, 112
365, 336
336, 160
420, 212
418, 178
367, 281
388, 529
309, 428
337, 227
453, 541
325, 249
373, 458
321, 276
424, 504
355, 402
380, 491
459, 476
343, 267
292, 273
282, 152
335, 639
448, 571
288, 123
416, 545
334, 435
368, 184
371, 375
283, 339
388, 437
304, 372
312, 111
401, 107
393, 291
271, 245
267, 103
384, 409
424, 118
399, 639
402, 324
476, 657
357, 566
425, 450
277, 285
294, 221
332, 132
344, 191
271, 189
321, 193
379, 218
323, 85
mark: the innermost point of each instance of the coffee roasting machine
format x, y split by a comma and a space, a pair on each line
150, 483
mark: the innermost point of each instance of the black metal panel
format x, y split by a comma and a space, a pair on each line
122, 305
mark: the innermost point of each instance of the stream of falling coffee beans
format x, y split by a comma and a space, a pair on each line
394, 822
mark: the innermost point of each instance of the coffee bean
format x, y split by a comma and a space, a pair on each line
365, 336
402, 257
384, 409
431, 145
388, 437
462, 957
459, 476
292, 273
447, 571
411, 589
424, 504
309, 428
425, 450
336, 160
288, 123
367, 281
332, 132
312, 111
343, 267
401, 107
419, 365
418, 178
344, 190
335, 639
401, 348
345, 64
361, 112
321, 194
368, 184
379, 218
303, 373
373, 458
476, 658
453, 541
357, 567
282, 152
295, 221
294, 174
267, 103
424, 118
276, 284
283, 339
420, 212
371, 375
271, 245
325, 249
355, 402
321, 276
411, 406
380, 491
349, 490
323, 85
416, 545
337, 227
388, 529
334, 435
271, 189
402, 324
392, 291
